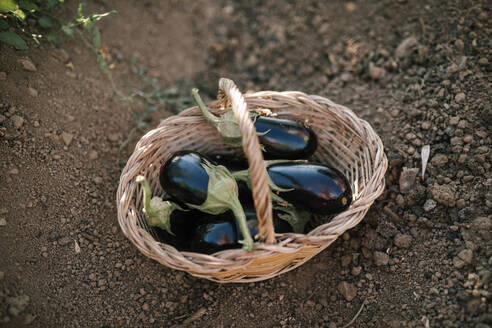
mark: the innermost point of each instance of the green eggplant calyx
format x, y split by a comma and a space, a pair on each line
157, 211
245, 177
222, 195
226, 124
296, 218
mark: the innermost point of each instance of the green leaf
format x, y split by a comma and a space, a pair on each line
52, 37
80, 12
8, 5
67, 30
13, 39
3, 24
102, 63
45, 22
28, 5
96, 37
19, 14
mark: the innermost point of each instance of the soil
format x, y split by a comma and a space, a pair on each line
418, 71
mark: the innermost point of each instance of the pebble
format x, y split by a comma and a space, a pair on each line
380, 258
27, 65
93, 155
64, 241
32, 92
460, 97
483, 61
463, 258
3, 222
14, 171
443, 194
356, 270
17, 120
439, 160
2, 275
67, 138
28, 319
346, 261
483, 227
348, 290
429, 205
406, 47
17, 304
114, 137
460, 45
2, 118
3, 76
403, 241
98, 180
376, 72
346, 77
407, 179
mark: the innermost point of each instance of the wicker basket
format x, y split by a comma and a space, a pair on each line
344, 141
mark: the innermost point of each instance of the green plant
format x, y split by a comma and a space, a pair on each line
13, 13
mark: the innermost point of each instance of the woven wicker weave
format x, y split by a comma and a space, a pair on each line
345, 142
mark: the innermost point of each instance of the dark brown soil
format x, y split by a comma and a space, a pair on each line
418, 71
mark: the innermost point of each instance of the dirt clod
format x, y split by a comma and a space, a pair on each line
348, 290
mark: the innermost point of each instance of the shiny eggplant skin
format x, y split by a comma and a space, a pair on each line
195, 231
183, 178
285, 139
316, 188
233, 163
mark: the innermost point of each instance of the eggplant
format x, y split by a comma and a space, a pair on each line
280, 138
191, 179
317, 188
285, 139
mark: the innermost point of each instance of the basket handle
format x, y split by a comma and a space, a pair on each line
252, 149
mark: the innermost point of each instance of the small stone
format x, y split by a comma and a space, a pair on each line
14, 171
348, 290
92, 276
356, 270
64, 241
460, 97
443, 194
2, 118
463, 258
67, 138
98, 180
28, 319
27, 65
35, 124
483, 61
3, 76
380, 258
17, 120
346, 77
439, 160
483, 226
454, 120
3, 222
406, 47
32, 92
17, 304
2, 275
429, 205
93, 155
407, 179
376, 72
460, 45
346, 261
113, 137
145, 307
403, 241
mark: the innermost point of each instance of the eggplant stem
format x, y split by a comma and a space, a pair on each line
146, 195
157, 212
211, 118
238, 211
